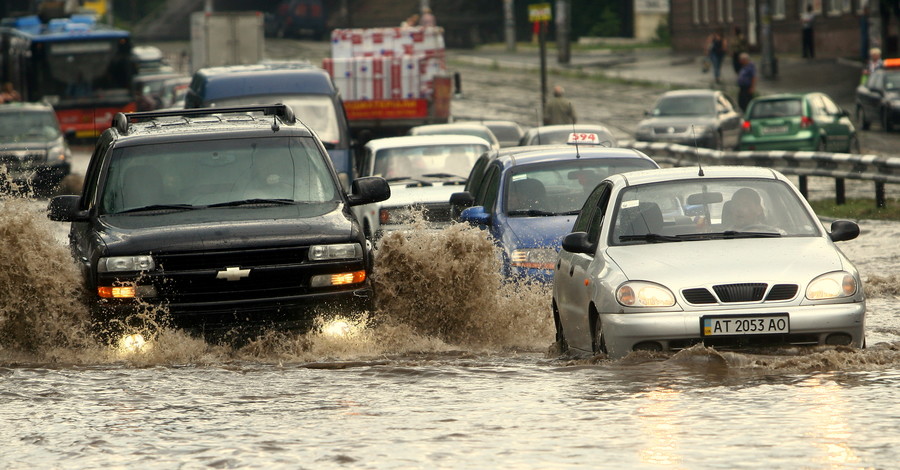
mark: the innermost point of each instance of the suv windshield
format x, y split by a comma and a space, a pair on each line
21, 125
202, 173
316, 111
710, 209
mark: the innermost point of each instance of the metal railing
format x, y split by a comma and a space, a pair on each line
841, 166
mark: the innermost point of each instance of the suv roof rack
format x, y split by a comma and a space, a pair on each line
283, 111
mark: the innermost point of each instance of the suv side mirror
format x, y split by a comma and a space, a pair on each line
66, 209
577, 242
462, 199
843, 230
475, 215
369, 189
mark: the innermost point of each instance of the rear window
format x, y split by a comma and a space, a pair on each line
776, 108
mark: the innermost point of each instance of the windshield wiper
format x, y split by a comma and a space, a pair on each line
737, 234
531, 213
156, 207
246, 202
442, 175
572, 212
650, 237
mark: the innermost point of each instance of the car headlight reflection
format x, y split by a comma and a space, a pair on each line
115, 264
832, 286
644, 294
536, 258
337, 251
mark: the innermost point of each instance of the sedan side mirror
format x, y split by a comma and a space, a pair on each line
66, 209
369, 189
475, 215
577, 242
843, 230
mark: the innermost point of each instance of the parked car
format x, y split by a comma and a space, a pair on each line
529, 198
559, 134
878, 99
729, 257
226, 219
423, 172
810, 121
705, 118
508, 133
34, 154
458, 128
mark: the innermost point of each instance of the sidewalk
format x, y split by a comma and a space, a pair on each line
836, 77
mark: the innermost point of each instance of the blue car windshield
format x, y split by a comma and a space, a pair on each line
561, 187
710, 209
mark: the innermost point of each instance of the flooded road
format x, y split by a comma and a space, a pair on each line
456, 373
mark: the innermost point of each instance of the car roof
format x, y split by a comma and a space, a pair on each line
25, 106
264, 79
692, 172
692, 92
783, 96
538, 154
424, 140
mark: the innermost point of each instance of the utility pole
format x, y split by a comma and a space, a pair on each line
562, 32
509, 23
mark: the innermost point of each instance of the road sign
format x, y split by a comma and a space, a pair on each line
540, 12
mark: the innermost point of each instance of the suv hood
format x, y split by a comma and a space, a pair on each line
690, 264
225, 228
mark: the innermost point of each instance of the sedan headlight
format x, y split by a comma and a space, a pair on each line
644, 294
118, 264
337, 251
832, 286
536, 258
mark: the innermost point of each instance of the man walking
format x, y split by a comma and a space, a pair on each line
808, 20
559, 110
746, 81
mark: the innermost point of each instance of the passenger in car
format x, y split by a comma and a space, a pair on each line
743, 210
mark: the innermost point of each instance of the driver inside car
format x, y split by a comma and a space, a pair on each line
745, 210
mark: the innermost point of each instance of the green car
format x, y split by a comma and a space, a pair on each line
810, 121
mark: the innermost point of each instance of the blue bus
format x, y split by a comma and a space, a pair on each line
80, 67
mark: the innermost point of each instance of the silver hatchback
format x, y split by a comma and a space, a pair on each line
731, 257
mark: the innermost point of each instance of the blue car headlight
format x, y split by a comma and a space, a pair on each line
534, 258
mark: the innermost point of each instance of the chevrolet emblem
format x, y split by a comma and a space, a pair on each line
233, 274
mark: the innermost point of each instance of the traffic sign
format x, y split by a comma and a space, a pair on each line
540, 12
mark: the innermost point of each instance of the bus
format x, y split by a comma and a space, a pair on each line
83, 69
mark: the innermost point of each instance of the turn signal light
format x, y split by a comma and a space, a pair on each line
121, 292
805, 122
745, 125
340, 279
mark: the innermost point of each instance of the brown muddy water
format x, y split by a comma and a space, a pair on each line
457, 373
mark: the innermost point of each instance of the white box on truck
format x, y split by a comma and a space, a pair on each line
226, 38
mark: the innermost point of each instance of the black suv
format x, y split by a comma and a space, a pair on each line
33, 152
227, 217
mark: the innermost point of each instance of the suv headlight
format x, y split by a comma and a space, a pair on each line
117, 264
832, 286
536, 258
337, 251
644, 294
57, 154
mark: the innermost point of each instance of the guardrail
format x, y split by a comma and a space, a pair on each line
840, 166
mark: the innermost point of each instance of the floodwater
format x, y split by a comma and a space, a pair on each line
457, 373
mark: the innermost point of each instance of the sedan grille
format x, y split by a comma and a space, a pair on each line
782, 292
749, 292
698, 296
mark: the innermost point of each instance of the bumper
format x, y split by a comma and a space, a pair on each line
809, 325
705, 140
806, 143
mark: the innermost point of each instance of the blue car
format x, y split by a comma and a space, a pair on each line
529, 197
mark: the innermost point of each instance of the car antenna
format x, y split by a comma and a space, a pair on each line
577, 150
697, 151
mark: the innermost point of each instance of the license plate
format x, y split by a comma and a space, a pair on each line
774, 130
739, 325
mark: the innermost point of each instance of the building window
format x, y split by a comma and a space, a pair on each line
705, 11
834, 7
778, 10
695, 4
720, 11
729, 11
848, 6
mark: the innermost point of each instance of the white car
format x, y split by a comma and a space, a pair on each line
731, 257
423, 171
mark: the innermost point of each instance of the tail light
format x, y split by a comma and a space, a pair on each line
806, 122
745, 126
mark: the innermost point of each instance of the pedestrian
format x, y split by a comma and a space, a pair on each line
558, 109
9, 93
746, 81
807, 20
739, 46
427, 18
875, 62
716, 46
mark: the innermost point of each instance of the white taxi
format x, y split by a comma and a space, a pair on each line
731, 257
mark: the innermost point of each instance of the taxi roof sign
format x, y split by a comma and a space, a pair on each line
583, 138
890, 63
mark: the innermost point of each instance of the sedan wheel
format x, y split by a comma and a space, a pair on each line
599, 340
562, 346
864, 123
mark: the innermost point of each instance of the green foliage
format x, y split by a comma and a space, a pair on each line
600, 18
663, 35
856, 209
607, 25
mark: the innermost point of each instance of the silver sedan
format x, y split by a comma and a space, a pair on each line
731, 257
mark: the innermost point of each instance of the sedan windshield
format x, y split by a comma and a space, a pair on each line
561, 187
685, 106
427, 161
225, 172
710, 209
23, 126
764, 109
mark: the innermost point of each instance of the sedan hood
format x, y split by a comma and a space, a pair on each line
689, 264
529, 232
